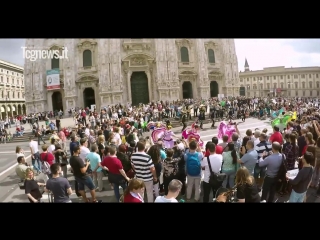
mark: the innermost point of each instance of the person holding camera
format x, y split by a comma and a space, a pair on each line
272, 163
79, 169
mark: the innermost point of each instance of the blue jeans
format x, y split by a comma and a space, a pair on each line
296, 197
229, 179
116, 189
33, 160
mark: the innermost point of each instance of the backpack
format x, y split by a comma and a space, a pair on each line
193, 164
282, 170
45, 167
170, 168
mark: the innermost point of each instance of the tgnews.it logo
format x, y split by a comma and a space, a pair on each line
34, 54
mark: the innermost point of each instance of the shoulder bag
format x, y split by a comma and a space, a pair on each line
216, 179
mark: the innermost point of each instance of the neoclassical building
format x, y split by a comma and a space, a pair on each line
12, 100
104, 72
280, 81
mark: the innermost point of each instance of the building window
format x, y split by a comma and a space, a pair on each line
17, 82
296, 84
317, 93
248, 80
281, 77
260, 78
7, 80
2, 94
268, 85
303, 93
281, 85
261, 86
295, 76
302, 76
55, 62
184, 55
303, 84
274, 77
288, 76
87, 58
268, 78
289, 85
311, 93
1, 79
275, 85
8, 94
241, 80
289, 93
254, 94
18, 94
318, 85
309, 75
248, 87
211, 56
310, 84
317, 75
13, 95
254, 79
297, 93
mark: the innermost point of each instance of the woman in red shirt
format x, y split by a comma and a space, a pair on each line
134, 191
117, 176
46, 156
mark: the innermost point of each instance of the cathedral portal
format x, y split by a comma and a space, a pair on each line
139, 88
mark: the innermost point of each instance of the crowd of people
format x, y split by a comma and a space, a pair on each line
166, 166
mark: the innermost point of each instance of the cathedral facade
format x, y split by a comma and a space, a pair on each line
105, 72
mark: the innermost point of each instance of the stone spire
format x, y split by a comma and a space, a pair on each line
246, 66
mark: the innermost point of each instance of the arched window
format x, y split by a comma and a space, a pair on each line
211, 56
87, 58
184, 55
55, 62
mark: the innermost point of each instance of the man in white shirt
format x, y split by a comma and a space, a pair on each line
174, 189
256, 137
84, 150
216, 164
87, 130
35, 156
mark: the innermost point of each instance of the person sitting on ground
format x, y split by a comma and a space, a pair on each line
174, 189
21, 168
58, 185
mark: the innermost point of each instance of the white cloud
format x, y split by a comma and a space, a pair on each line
262, 53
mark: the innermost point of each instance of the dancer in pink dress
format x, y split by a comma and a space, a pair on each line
167, 138
226, 129
192, 134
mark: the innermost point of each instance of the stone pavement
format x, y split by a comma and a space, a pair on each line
18, 195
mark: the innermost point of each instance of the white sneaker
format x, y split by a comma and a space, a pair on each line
264, 201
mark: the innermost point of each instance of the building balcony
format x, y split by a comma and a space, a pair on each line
88, 69
213, 67
136, 44
186, 64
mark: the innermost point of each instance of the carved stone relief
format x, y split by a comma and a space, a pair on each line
138, 61
70, 104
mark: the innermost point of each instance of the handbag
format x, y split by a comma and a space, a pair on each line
216, 179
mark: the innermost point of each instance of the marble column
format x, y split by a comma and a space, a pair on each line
129, 85
149, 84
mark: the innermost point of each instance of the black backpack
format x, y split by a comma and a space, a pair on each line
281, 176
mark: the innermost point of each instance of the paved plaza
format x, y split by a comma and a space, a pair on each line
11, 193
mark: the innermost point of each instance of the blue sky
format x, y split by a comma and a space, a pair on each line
260, 53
